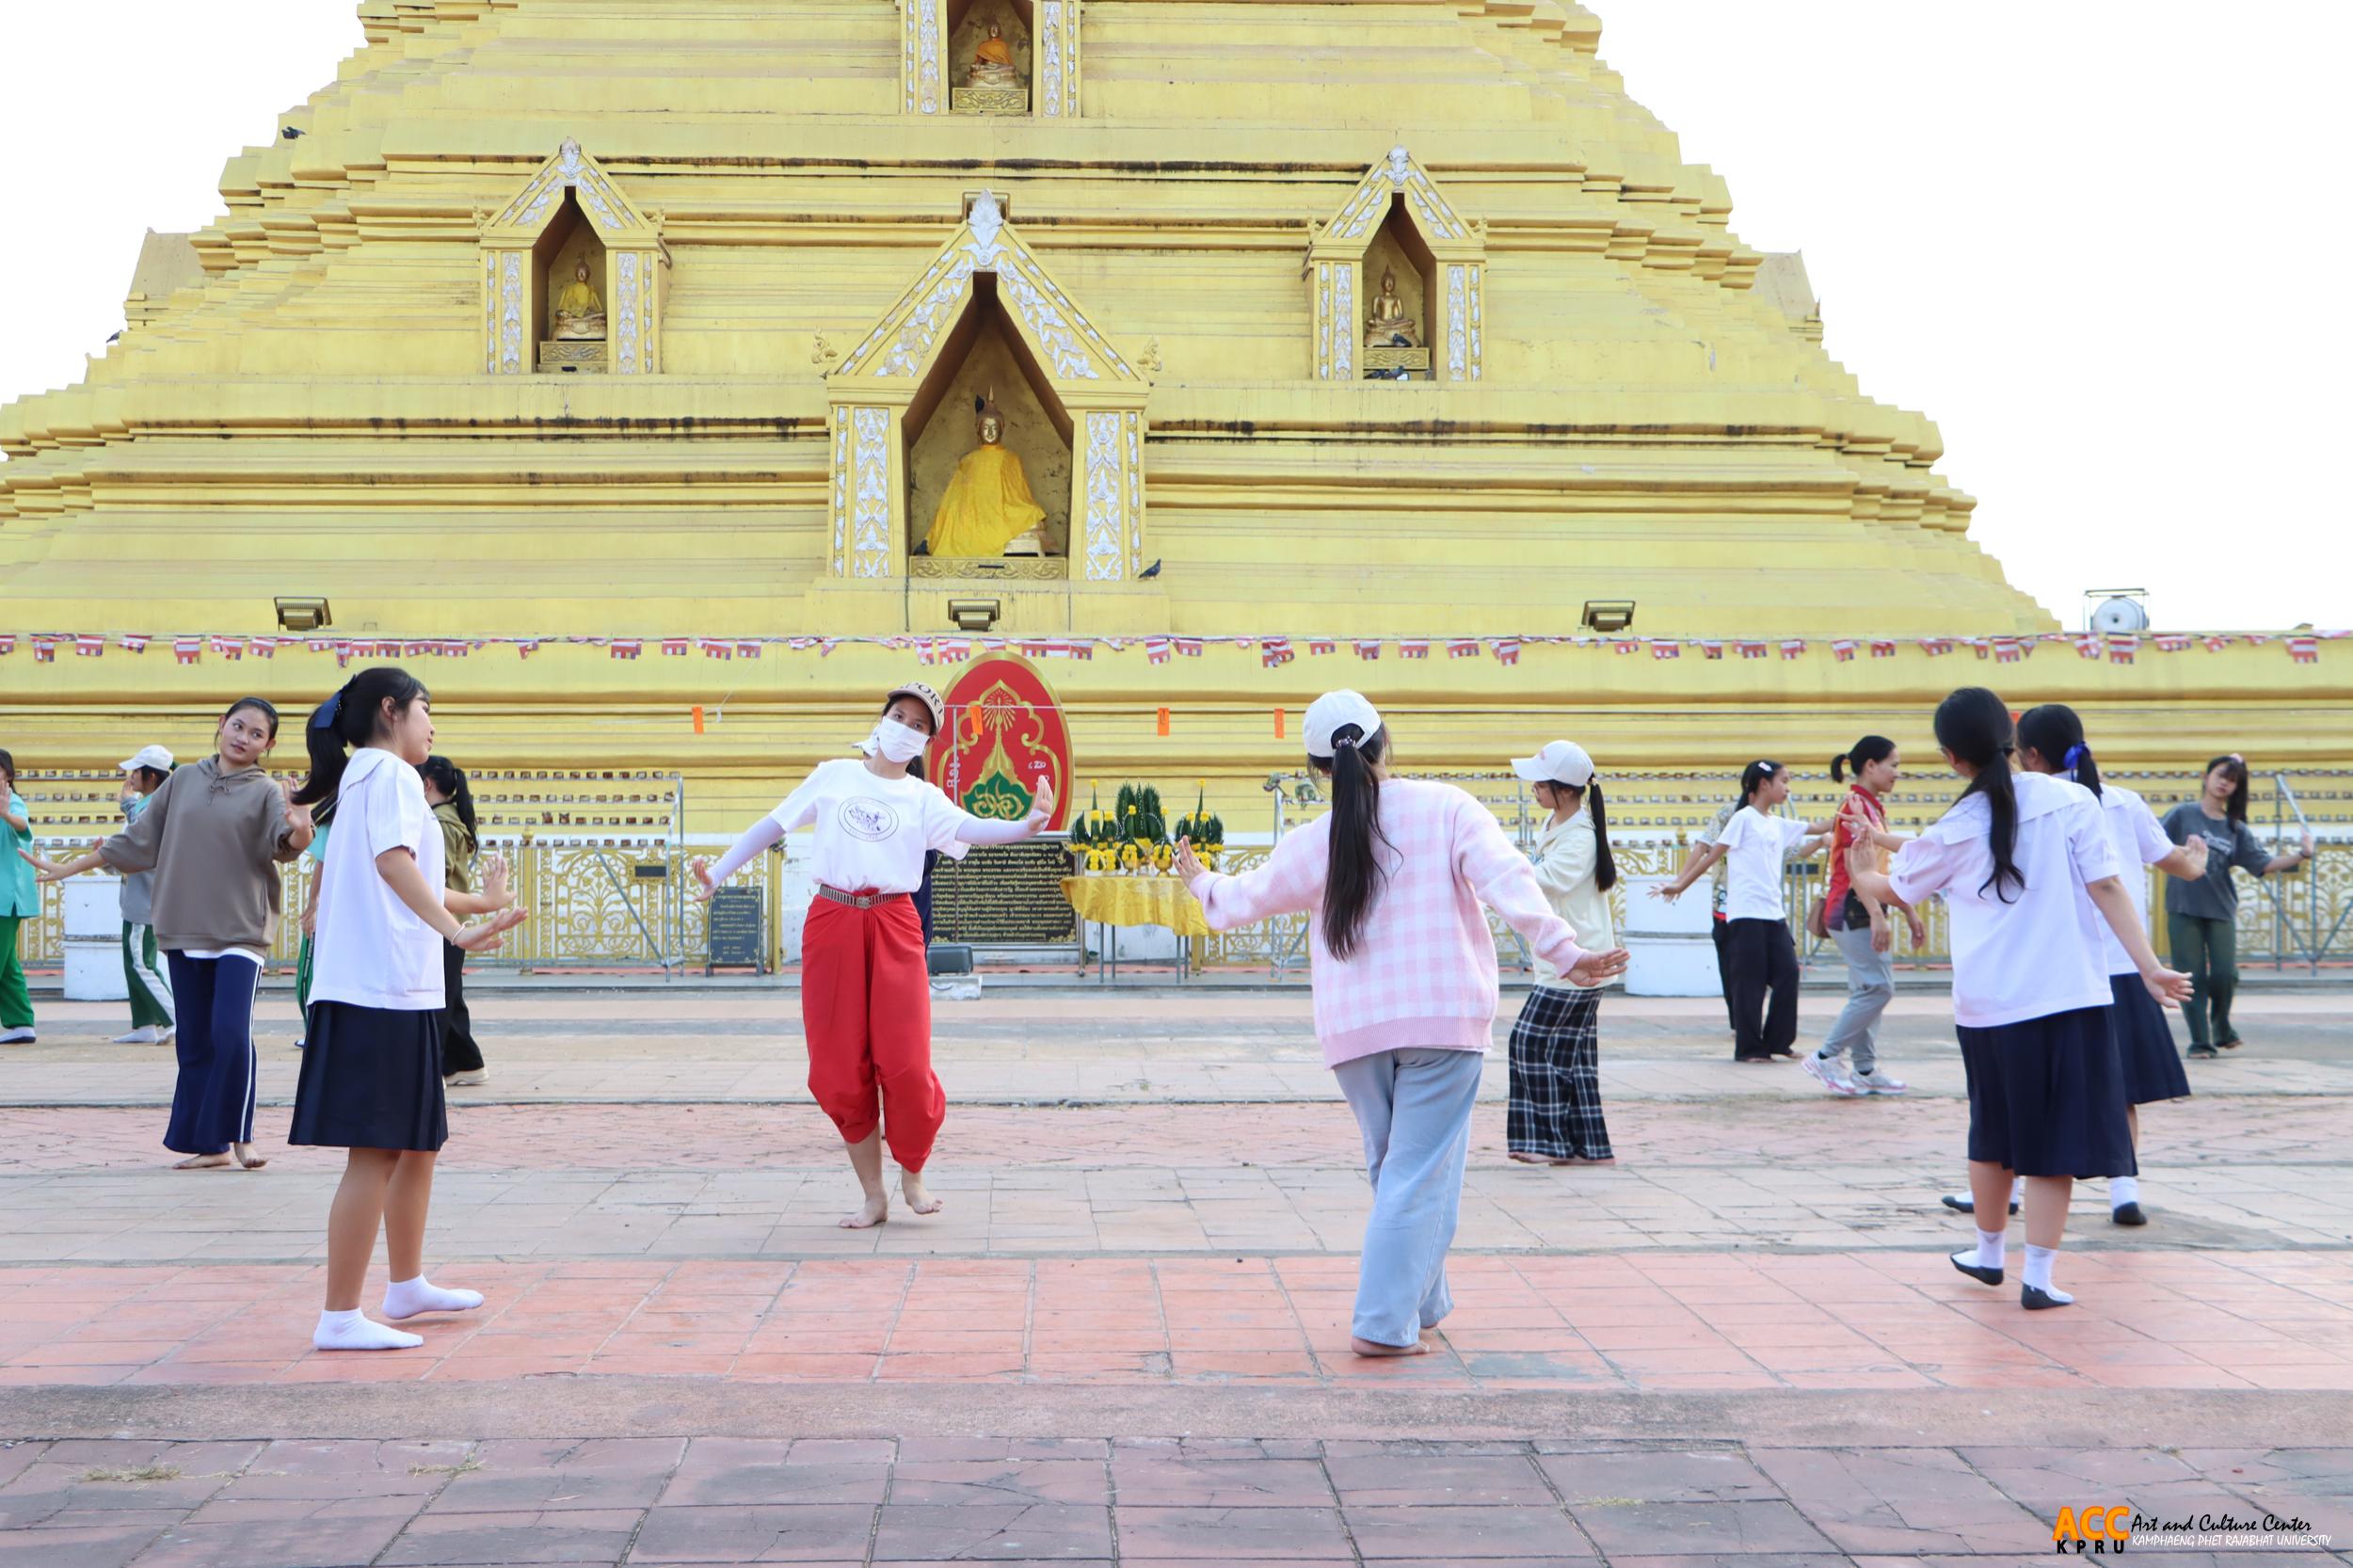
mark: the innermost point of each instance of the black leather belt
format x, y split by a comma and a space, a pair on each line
855, 901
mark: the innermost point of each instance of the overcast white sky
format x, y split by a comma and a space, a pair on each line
2091, 240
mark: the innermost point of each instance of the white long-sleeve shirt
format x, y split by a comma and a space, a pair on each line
871, 832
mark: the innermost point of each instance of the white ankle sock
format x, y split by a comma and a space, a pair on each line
2124, 1190
406, 1298
2039, 1261
353, 1331
1993, 1249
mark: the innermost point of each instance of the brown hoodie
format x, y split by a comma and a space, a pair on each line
212, 838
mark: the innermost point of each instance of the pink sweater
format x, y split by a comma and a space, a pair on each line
1424, 976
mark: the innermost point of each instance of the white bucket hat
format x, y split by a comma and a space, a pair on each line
1559, 763
1333, 712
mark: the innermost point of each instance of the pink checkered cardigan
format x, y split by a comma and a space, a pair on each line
1424, 976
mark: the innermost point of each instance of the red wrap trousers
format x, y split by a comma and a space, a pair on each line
866, 1006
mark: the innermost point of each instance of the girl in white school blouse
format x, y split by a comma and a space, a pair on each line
370, 1080
2029, 873
1762, 954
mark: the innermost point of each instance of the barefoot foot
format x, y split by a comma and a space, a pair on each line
919, 1197
205, 1162
870, 1213
243, 1154
1373, 1347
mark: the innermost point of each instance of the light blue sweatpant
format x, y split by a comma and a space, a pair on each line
1415, 1109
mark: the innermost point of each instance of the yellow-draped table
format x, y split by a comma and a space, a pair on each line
1112, 902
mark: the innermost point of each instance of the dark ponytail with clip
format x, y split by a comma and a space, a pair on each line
348, 720
2055, 733
1356, 875
448, 778
1975, 727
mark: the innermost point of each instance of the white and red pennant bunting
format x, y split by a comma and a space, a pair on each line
1274, 652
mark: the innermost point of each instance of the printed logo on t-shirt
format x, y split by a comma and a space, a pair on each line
864, 817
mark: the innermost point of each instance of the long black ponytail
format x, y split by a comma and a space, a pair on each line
2055, 733
448, 778
348, 720
1974, 725
1356, 875
1605, 863
1755, 775
1871, 748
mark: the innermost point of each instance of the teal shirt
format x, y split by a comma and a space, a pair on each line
20, 886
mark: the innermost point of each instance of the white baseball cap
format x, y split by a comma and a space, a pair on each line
149, 757
1333, 712
1559, 763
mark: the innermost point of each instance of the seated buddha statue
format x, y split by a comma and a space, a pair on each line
579, 314
992, 62
1389, 325
987, 505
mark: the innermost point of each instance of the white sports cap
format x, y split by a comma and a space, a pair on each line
1333, 712
1559, 763
149, 757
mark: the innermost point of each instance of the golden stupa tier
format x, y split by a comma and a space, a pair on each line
625, 318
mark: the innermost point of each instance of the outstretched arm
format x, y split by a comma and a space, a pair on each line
1695, 865
766, 831
1506, 885
1290, 883
979, 830
54, 870
2116, 905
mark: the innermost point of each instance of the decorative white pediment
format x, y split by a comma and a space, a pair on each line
619, 222
1072, 351
1336, 265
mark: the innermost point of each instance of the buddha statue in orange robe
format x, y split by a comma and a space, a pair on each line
992, 62
987, 505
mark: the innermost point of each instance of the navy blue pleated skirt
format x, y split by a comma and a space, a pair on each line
371, 1080
2046, 1095
2152, 1062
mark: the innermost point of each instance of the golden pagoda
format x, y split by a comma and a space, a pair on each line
1327, 323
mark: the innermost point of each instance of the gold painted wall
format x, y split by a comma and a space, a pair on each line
313, 417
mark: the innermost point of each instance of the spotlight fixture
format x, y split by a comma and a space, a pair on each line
1608, 614
303, 614
975, 614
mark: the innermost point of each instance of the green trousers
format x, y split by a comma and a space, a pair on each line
2207, 952
143, 973
16, 1003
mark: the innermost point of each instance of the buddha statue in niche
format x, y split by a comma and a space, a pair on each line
992, 62
579, 314
988, 511
1388, 324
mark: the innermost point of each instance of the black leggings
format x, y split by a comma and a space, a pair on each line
459, 1054
1764, 959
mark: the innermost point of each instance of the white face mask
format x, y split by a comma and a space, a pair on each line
895, 742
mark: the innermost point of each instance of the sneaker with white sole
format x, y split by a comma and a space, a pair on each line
22, 1035
467, 1081
1828, 1073
143, 1035
1879, 1082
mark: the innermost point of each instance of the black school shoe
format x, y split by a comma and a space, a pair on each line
2127, 1214
1983, 1275
1965, 1205
2038, 1301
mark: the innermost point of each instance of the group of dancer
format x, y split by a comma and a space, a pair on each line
2055, 988
387, 926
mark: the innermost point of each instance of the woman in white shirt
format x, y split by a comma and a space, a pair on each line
1762, 953
865, 995
2051, 740
370, 1080
2029, 873
1554, 1116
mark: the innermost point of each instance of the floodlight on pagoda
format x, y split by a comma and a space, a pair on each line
1607, 615
975, 614
303, 614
